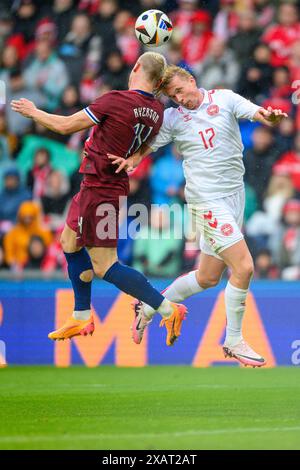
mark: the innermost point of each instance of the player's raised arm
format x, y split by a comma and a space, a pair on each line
61, 124
269, 117
128, 164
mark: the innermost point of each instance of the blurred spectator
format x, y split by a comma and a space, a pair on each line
265, 12
226, 20
2, 260
182, 17
17, 88
38, 175
10, 61
264, 266
285, 240
47, 73
116, 72
256, 75
280, 189
251, 204
46, 31
16, 241
281, 83
70, 104
125, 37
219, 68
247, 37
167, 177
104, 22
294, 62
12, 195
26, 17
6, 26
9, 141
5, 161
285, 135
91, 87
195, 44
156, 252
89, 6
139, 186
174, 55
55, 258
62, 14
55, 200
281, 36
289, 164
81, 48
259, 161
36, 253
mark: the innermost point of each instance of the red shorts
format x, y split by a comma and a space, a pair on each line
94, 216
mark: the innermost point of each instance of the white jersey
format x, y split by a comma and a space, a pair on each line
210, 142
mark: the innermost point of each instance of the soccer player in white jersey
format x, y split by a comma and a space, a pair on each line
205, 131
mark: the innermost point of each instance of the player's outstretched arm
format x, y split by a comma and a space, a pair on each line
128, 164
60, 124
269, 117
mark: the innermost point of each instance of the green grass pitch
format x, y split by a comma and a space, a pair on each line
153, 408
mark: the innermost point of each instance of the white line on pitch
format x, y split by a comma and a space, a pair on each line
199, 432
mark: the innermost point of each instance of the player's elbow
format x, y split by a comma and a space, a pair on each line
65, 128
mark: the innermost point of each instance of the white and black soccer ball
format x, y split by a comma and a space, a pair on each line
153, 28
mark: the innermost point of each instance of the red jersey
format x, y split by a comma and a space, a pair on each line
124, 120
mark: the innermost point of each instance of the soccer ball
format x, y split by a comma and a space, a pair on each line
153, 28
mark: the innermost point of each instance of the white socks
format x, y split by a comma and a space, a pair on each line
81, 314
183, 287
165, 309
235, 299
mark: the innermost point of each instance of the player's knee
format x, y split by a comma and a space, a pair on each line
87, 276
68, 244
65, 243
245, 270
101, 269
206, 281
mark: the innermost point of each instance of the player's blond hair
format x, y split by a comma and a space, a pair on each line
170, 72
154, 65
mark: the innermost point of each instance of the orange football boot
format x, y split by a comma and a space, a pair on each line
174, 322
72, 328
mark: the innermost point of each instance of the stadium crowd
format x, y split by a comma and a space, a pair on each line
62, 54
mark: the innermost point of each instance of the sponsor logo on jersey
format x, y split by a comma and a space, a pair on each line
227, 230
213, 109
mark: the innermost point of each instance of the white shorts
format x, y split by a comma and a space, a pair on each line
219, 222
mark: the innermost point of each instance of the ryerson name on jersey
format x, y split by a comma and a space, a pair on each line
146, 112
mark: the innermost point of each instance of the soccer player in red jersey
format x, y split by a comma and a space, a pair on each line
122, 121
